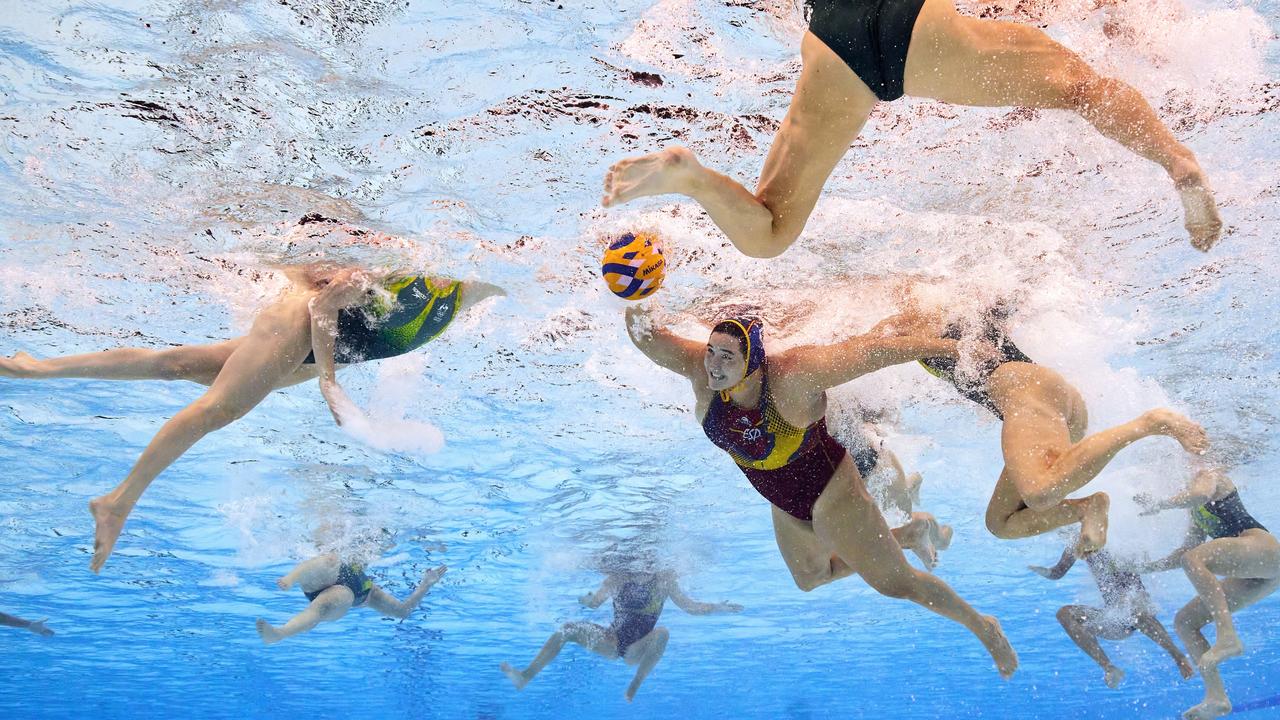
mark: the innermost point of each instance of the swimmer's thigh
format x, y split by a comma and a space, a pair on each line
969, 61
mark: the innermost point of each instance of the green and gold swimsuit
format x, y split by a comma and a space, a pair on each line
420, 309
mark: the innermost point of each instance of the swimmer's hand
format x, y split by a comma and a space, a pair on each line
335, 398
728, 607
37, 627
588, 600
1150, 506
1041, 571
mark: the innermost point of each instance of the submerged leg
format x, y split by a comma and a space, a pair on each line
589, 635
274, 349
328, 606
1253, 555
827, 112
968, 61
645, 654
846, 519
197, 363
1150, 626
1083, 625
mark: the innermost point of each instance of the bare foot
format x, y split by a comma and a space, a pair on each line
21, 365
1185, 668
1227, 646
1210, 709
1199, 208
653, 174
1189, 434
269, 634
945, 533
1093, 524
107, 526
516, 676
285, 582
1113, 677
998, 645
920, 537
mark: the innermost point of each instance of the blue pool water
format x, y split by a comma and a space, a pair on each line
153, 153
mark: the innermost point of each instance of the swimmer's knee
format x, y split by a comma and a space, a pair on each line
1066, 616
215, 414
998, 525
899, 586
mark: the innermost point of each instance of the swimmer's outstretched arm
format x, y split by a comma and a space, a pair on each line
1057, 571
344, 290
677, 354
35, 626
826, 366
693, 607
1194, 538
604, 592
1202, 488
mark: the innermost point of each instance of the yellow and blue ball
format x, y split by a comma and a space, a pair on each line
633, 265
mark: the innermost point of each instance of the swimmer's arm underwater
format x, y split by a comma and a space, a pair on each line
827, 366
1202, 489
344, 290
597, 598
1194, 538
662, 346
693, 607
1057, 571
35, 626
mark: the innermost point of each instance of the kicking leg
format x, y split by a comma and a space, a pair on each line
314, 574
382, 602
645, 653
1189, 622
197, 363
968, 61
328, 606
1042, 457
274, 348
1253, 555
1148, 625
1009, 518
846, 519
1083, 625
827, 112
589, 635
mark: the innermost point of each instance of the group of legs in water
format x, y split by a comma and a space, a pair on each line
768, 410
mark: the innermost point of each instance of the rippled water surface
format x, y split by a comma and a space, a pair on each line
154, 154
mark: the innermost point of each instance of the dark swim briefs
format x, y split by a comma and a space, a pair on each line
871, 36
353, 577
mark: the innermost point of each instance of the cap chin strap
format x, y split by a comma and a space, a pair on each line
724, 394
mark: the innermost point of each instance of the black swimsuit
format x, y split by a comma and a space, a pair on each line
871, 36
1224, 517
636, 607
976, 389
353, 577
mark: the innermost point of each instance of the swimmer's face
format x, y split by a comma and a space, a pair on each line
724, 362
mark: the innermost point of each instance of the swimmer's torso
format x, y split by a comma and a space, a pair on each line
788, 465
418, 310
637, 604
1224, 517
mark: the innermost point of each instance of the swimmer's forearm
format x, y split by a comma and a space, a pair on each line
324, 342
14, 621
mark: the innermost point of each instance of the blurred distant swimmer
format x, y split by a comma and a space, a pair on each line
1047, 455
35, 626
894, 488
333, 587
1223, 540
859, 52
329, 317
1126, 607
634, 635
769, 414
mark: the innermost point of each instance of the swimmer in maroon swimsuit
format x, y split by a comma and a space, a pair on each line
769, 415
634, 635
